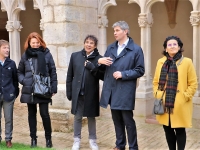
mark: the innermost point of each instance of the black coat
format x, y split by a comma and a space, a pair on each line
9, 81
26, 79
120, 93
75, 79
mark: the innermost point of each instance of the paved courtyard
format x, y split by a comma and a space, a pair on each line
150, 136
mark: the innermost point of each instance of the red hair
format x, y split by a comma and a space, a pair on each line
34, 35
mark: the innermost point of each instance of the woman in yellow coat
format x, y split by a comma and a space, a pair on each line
175, 75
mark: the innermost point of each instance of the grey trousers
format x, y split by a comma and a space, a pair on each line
78, 121
8, 115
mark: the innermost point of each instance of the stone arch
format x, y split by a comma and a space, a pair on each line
13, 26
104, 5
130, 16
38, 4
32, 24
103, 22
12, 7
195, 5
145, 5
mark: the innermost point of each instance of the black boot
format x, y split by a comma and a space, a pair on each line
49, 143
33, 142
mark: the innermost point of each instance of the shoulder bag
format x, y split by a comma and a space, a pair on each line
41, 85
158, 108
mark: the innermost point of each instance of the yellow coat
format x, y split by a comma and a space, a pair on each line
187, 85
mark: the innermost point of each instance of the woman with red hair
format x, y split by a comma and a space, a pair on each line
43, 63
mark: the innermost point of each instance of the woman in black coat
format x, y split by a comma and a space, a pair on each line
83, 89
43, 63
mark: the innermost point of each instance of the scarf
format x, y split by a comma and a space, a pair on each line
39, 53
93, 55
169, 73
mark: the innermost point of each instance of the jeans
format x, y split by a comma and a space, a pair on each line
78, 121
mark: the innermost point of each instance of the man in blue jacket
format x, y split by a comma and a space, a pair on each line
9, 90
124, 63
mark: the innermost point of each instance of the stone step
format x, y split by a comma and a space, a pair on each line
151, 119
61, 120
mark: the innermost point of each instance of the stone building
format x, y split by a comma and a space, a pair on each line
65, 23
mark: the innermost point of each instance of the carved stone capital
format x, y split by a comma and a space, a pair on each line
145, 19
102, 21
195, 18
13, 25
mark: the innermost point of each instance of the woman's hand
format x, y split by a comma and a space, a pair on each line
53, 94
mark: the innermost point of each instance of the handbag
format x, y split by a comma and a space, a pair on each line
41, 84
158, 108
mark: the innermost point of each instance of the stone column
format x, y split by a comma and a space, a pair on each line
102, 24
144, 90
13, 27
195, 20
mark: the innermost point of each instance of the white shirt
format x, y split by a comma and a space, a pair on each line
2, 62
121, 47
90, 53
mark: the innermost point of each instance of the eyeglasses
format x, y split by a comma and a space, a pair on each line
170, 45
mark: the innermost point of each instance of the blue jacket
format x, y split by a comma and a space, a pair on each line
120, 94
9, 81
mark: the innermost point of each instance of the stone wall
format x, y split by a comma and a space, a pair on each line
66, 23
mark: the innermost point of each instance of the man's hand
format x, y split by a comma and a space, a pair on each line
105, 61
117, 75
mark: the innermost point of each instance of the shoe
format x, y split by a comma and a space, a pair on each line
33, 142
118, 148
93, 144
9, 144
49, 143
76, 144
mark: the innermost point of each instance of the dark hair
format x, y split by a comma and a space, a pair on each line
180, 43
93, 38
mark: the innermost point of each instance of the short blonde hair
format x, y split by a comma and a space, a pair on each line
3, 42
